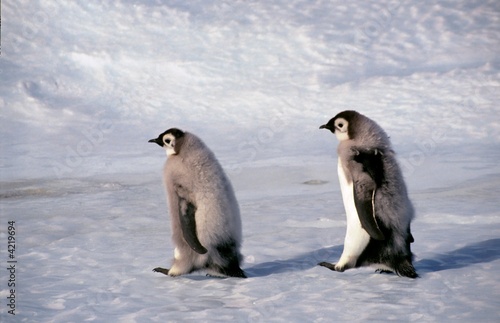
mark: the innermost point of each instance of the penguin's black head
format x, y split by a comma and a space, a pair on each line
343, 124
171, 140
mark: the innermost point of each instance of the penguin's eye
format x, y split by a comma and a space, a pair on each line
341, 125
167, 141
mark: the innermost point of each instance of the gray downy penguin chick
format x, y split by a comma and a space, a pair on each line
205, 216
378, 209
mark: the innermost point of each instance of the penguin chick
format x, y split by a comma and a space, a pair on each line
205, 215
378, 209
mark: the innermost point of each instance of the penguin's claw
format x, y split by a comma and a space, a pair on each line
161, 270
327, 265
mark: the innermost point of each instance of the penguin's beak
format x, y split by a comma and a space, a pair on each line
329, 127
156, 141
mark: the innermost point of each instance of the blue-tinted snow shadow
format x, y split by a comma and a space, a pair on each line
476, 253
299, 263
480, 252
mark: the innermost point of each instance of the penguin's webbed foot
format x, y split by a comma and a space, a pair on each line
384, 271
331, 266
161, 270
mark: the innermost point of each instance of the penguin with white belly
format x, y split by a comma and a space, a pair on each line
378, 209
204, 213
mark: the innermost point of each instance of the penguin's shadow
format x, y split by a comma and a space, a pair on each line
476, 253
299, 263
480, 252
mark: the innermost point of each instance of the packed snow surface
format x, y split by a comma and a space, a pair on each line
85, 84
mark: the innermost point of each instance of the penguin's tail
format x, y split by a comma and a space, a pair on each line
406, 269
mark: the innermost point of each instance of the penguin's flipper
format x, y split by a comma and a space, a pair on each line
188, 225
365, 186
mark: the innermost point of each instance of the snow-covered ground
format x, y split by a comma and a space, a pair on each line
84, 85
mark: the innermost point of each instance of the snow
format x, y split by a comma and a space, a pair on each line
85, 84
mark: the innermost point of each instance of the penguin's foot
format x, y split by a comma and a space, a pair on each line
331, 266
161, 270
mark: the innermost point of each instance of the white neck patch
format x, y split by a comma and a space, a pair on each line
341, 136
170, 151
